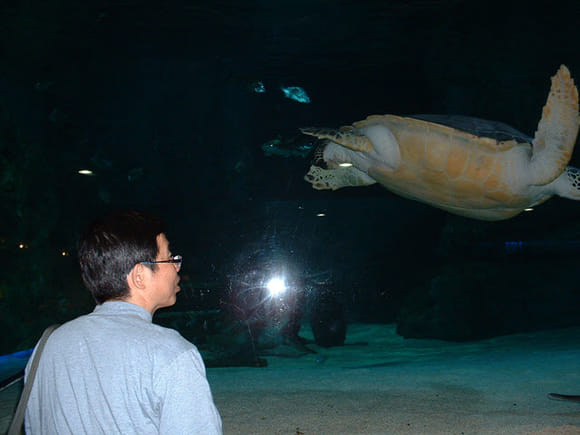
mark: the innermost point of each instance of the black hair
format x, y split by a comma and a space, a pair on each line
111, 246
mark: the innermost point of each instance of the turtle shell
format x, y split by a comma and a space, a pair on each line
478, 127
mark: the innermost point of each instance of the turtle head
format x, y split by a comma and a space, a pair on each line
330, 155
318, 156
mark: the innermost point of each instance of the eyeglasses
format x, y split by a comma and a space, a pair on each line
175, 260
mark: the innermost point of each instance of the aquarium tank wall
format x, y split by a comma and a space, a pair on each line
194, 110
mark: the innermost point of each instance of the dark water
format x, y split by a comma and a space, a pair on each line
158, 100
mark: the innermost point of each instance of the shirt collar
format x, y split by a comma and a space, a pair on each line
123, 308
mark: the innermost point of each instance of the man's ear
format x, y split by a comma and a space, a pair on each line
137, 277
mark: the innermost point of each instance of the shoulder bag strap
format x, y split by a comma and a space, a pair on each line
18, 419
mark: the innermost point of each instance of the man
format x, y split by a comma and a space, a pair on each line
113, 371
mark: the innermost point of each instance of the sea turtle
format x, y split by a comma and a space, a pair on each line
470, 167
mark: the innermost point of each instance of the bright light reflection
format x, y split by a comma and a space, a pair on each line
85, 172
345, 165
276, 286
528, 209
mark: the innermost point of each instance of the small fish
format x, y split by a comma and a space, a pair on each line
271, 147
257, 87
135, 174
320, 359
295, 93
284, 147
240, 167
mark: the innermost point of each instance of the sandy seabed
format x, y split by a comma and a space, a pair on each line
389, 385
380, 383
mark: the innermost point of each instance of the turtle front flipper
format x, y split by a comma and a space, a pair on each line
333, 179
346, 136
557, 130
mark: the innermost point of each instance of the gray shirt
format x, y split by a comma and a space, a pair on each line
114, 371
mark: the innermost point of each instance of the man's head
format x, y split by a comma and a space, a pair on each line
112, 246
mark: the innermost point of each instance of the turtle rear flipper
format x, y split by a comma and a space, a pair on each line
557, 130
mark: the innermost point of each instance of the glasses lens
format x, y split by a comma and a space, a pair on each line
177, 261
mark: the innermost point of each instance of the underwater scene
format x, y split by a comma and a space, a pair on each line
377, 202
